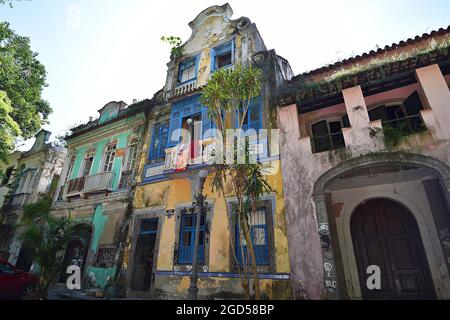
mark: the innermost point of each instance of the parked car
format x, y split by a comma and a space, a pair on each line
14, 283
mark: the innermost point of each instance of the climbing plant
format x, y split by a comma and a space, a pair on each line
175, 43
231, 91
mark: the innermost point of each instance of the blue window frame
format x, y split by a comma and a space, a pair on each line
187, 238
260, 239
222, 56
188, 70
253, 118
159, 142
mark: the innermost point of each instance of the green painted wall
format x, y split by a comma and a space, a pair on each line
122, 140
78, 162
101, 275
99, 221
99, 149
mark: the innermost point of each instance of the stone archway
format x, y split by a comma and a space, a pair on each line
329, 250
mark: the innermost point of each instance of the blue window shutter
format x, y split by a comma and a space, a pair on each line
213, 60
255, 116
175, 123
207, 124
232, 52
163, 135
186, 251
160, 134
152, 144
261, 251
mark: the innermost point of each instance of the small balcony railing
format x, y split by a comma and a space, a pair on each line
185, 88
74, 186
99, 182
126, 179
328, 142
89, 184
196, 152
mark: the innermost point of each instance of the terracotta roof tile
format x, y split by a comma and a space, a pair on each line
374, 53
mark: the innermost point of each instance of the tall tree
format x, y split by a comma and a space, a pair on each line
9, 129
23, 78
231, 91
9, 2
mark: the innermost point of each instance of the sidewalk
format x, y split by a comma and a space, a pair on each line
66, 294
58, 293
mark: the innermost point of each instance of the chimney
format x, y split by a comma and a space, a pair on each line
135, 101
91, 118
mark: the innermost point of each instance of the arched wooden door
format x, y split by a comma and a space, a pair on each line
386, 234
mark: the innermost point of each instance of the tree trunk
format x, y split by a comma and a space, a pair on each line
251, 250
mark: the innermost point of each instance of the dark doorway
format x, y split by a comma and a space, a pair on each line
144, 255
77, 251
25, 259
386, 234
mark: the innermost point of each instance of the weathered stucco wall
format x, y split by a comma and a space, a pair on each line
176, 193
301, 168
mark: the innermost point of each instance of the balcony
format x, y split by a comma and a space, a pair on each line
185, 88
126, 179
181, 156
101, 182
75, 186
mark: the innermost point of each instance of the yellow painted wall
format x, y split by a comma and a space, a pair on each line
169, 194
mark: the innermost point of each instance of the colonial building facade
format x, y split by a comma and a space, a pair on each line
161, 240
359, 172
26, 178
366, 167
95, 188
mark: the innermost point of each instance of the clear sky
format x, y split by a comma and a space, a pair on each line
96, 51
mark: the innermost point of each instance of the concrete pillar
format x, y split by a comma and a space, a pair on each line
288, 117
358, 136
329, 264
437, 98
305, 254
356, 107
